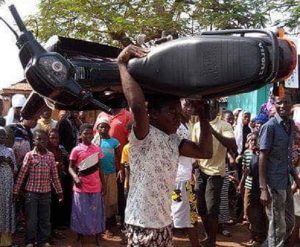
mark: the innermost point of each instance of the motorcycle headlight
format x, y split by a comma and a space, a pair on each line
54, 68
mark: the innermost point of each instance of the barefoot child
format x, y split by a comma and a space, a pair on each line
154, 152
87, 217
109, 147
7, 170
39, 167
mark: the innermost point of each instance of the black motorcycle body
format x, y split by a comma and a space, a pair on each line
80, 75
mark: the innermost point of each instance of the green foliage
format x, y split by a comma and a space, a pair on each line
292, 10
232, 14
108, 21
117, 22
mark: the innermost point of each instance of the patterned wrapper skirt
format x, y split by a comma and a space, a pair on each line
149, 237
7, 209
87, 216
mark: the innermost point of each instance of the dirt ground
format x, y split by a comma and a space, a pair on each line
239, 236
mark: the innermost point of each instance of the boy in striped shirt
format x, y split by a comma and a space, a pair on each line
253, 209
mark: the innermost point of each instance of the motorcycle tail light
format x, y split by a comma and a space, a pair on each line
287, 59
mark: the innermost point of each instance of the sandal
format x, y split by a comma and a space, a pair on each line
226, 233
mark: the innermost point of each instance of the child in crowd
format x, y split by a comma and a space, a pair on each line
7, 171
39, 167
260, 120
109, 147
87, 217
253, 209
60, 213
46, 123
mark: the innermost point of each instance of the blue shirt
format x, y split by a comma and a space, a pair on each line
108, 147
274, 138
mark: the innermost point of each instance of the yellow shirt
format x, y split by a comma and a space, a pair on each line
124, 158
215, 165
46, 125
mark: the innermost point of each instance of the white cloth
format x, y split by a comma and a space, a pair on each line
238, 132
185, 165
236, 110
9, 118
181, 210
153, 167
18, 100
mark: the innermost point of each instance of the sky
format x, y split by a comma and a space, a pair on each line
11, 70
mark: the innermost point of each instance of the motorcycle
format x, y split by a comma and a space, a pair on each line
80, 75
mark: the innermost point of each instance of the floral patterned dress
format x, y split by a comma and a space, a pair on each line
7, 212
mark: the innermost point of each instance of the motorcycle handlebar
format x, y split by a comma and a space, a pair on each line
17, 18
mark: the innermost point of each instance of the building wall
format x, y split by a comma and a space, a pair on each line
251, 101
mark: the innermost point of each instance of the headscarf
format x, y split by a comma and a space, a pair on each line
18, 100
103, 120
236, 110
238, 132
261, 118
267, 106
97, 138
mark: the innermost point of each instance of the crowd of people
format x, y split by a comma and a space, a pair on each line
159, 165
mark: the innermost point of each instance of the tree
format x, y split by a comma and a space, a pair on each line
108, 21
117, 22
232, 14
291, 8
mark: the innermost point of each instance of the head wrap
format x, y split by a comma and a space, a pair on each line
261, 118
236, 110
103, 120
18, 100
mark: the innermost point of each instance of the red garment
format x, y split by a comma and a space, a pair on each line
42, 172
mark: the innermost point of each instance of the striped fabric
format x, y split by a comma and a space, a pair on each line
246, 163
224, 200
